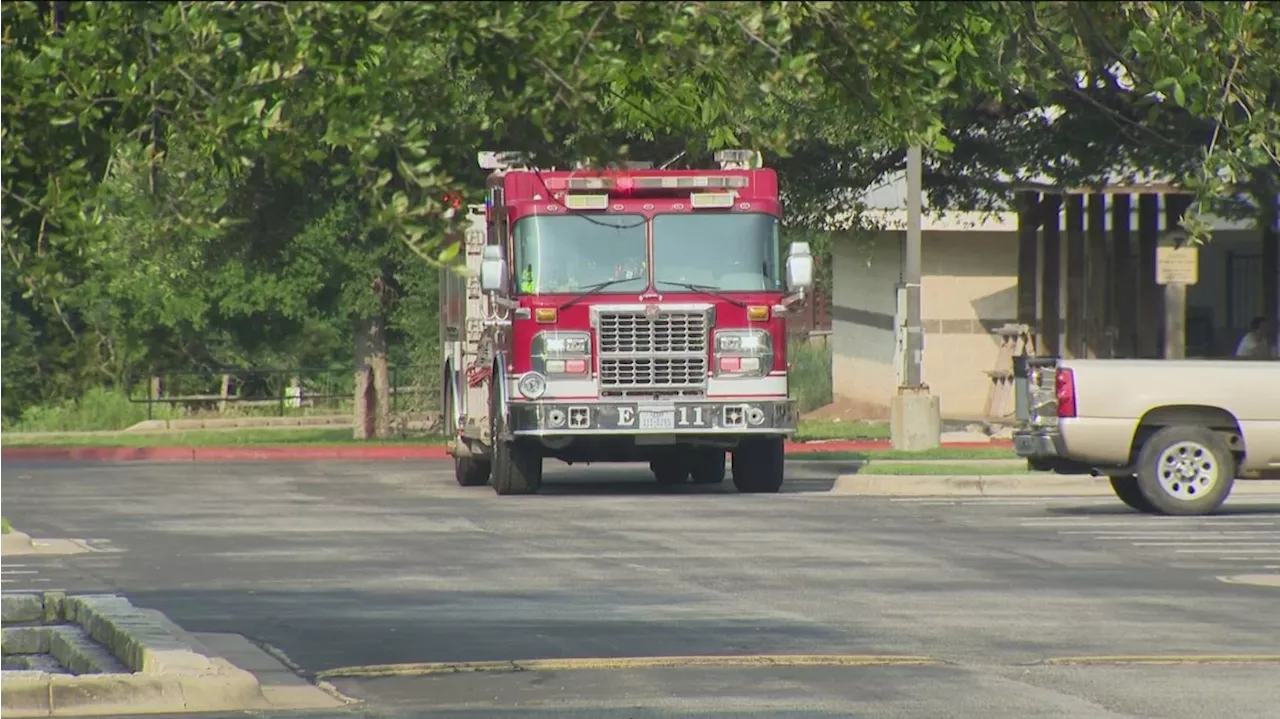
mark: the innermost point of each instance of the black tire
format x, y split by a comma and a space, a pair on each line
1127, 489
758, 465
517, 463
670, 470
707, 466
471, 472
1186, 470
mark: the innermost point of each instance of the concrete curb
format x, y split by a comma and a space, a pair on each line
165, 669
16, 544
1006, 485
302, 453
924, 485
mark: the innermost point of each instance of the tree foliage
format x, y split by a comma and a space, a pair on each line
212, 182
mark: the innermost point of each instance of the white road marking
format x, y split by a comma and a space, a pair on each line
1265, 552
1205, 544
1242, 542
18, 571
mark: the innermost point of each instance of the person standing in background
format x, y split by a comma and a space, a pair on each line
1260, 342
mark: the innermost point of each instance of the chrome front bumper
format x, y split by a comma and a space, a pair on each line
695, 417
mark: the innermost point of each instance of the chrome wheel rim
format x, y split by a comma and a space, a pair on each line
1187, 470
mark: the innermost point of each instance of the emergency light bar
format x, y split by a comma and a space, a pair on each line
739, 159
586, 202
689, 182
502, 160
706, 200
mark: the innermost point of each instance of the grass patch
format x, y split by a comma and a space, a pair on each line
816, 429
958, 453
810, 375
908, 468
212, 438
5, 527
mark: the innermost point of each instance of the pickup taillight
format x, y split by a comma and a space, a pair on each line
1065, 391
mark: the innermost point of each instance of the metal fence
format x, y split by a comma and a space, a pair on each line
279, 392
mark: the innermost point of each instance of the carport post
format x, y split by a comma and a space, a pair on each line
915, 423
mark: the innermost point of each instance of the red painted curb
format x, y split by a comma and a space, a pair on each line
302, 453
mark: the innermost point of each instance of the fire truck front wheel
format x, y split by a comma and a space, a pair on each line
758, 465
517, 467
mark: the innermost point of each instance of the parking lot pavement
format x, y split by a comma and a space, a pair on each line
343, 565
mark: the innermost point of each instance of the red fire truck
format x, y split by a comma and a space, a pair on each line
624, 315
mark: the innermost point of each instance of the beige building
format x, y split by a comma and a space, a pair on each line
969, 289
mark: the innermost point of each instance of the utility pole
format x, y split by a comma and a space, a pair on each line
911, 260
915, 421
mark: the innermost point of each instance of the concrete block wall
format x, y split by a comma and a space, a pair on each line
968, 289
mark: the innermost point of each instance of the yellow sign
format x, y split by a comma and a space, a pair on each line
1177, 265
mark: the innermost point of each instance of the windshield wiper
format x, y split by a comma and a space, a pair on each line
713, 291
592, 289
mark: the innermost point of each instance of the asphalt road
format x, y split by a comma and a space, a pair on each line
343, 565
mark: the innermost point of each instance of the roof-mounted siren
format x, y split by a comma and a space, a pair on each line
504, 160
739, 159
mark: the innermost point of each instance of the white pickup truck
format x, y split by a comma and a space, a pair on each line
1173, 435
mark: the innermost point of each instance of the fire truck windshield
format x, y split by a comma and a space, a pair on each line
731, 252
572, 253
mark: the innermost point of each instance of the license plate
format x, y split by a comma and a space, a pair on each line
665, 419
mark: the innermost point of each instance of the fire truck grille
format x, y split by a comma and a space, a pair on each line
669, 351
669, 332
656, 372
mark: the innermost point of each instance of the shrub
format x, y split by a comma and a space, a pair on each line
810, 374
98, 409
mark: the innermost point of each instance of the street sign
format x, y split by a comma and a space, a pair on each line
1177, 265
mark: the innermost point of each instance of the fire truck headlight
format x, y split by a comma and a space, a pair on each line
555, 353
532, 385
743, 353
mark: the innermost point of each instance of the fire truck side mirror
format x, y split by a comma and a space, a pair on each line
799, 267
493, 269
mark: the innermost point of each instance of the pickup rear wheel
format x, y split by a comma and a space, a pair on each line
1127, 489
1186, 470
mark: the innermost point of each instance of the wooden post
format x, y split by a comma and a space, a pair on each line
224, 392
153, 395
1150, 298
1270, 218
1028, 260
1051, 289
1175, 293
1124, 297
1075, 344
1098, 284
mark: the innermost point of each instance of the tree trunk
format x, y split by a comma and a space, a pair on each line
372, 382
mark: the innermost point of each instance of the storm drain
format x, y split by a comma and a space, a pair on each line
99, 654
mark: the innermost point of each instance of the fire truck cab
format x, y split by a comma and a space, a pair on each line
625, 315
